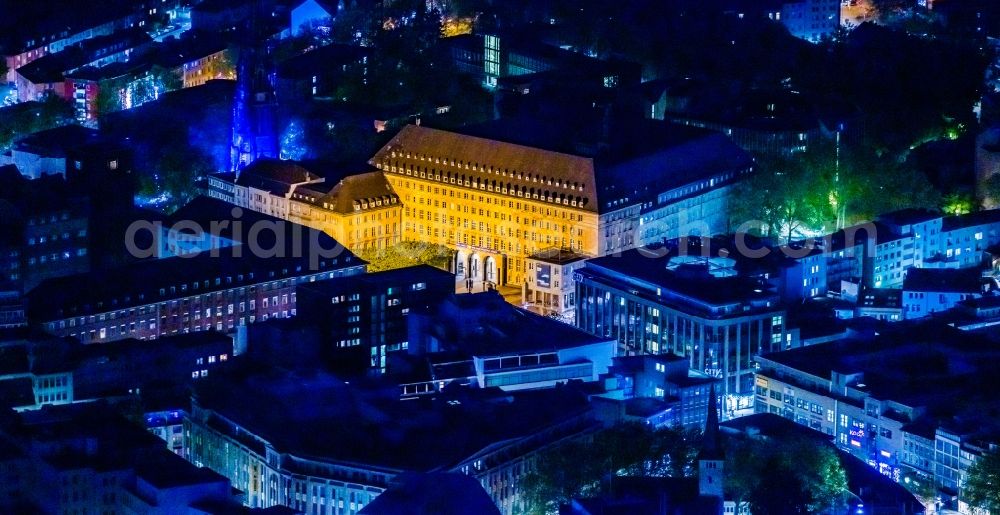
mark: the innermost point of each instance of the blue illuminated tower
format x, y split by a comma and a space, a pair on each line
255, 131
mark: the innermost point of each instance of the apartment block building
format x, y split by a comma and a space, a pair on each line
487, 342
880, 254
222, 288
918, 239
549, 285
50, 371
892, 402
88, 458
291, 446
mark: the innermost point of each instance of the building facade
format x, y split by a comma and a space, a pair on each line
666, 378
853, 390
549, 285
315, 477
222, 289
811, 20
360, 211
927, 291
495, 344
494, 214
924, 240
497, 203
721, 324
371, 310
88, 458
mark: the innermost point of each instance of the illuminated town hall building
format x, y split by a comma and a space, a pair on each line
498, 197
497, 202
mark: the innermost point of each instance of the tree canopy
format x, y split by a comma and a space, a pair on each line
792, 196
811, 476
982, 485
794, 476
404, 254
17, 122
176, 171
589, 467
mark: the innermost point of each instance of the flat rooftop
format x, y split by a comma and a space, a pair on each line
924, 363
141, 283
558, 256
944, 280
317, 415
395, 277
647, 274
485, 325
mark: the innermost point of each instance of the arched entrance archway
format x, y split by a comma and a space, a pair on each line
475, 267
461, 264
490, 269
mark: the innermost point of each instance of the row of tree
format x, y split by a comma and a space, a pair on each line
812, 478
792, 196
406, 254
128, 91
16, 122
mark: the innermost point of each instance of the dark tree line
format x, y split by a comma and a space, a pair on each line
589, 467
811, 476
17, 122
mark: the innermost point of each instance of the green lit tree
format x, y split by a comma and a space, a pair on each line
559, 474
51, 112
165, 79
818, 189
788, 195
109, 96
674, 452
405, 254
224, 67
875, 184
920, 486
957, 203
982, 485
825, 478
885, 8
286, 49
354, 26
293, 145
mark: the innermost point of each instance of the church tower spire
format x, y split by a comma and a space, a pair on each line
254, 104
711, 458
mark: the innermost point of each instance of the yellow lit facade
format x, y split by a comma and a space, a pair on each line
492, 233
494, 203
218, 65
497, 203
361, 212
